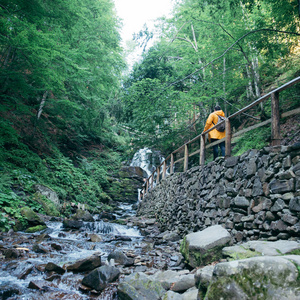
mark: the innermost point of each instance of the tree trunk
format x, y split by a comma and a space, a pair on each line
42, 105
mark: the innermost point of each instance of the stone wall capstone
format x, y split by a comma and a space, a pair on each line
254, 196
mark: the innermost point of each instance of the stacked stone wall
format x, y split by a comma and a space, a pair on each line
254, 196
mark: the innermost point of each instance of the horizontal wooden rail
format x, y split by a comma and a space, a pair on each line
274, 94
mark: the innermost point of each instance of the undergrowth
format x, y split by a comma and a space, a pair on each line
82, 179
254, 139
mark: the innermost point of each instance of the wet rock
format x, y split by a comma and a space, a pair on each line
95, 238
104, 215
83, 215
56, 246
53, 277
203, 247
65, 295
32, 218
23, 270
72, 224
41, 285
99, 278
11, 253
36, 228
8, 289
39, 248
86, 264
51, 267
120, 258
123, 238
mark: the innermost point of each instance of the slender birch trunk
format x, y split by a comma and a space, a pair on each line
42, 105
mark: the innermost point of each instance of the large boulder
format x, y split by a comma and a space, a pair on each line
130, 179
268, 277
120, 258
203, 247
31, 217
139, 287
174, 280
82, 215
86, 264
99, 278
72, 224
48, 193
259, 248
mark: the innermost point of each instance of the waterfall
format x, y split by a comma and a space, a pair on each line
147, 160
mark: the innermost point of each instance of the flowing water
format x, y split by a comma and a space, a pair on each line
147, 159
71, 245
61, 246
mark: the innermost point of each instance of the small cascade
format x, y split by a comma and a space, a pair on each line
147, 160
58, 244
99, 227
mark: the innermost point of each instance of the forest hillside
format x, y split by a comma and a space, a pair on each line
72, 114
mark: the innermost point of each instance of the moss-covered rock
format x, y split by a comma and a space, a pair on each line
83, 215
268, 277
49, 208
36, 228
31, 217
203, 247
138, 286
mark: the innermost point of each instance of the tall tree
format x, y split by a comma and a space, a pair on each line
60, 63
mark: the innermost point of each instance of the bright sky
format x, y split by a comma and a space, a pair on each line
135, 13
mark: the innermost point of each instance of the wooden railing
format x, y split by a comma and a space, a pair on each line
275, 134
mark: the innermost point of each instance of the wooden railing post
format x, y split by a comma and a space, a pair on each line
202, 150
275, 127
227, 138
157, 176
186, 158
164, 170
172, 164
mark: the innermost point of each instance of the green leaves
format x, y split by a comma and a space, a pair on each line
209, 52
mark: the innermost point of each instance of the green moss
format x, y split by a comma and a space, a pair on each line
250, 283
198, 258
36, 228
242, 255
47, 206
29, 214
120, 221
294, 252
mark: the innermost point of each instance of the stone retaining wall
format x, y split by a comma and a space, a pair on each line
255, 195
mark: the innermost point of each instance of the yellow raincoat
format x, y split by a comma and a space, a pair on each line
212, 120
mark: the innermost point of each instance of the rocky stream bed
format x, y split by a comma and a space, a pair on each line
96, 259
54, 263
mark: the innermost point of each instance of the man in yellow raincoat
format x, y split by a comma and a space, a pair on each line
215, 135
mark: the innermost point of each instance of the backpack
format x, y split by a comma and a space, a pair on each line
220, 127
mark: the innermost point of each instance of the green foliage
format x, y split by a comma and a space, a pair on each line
209, 52
5, 222
255, 139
